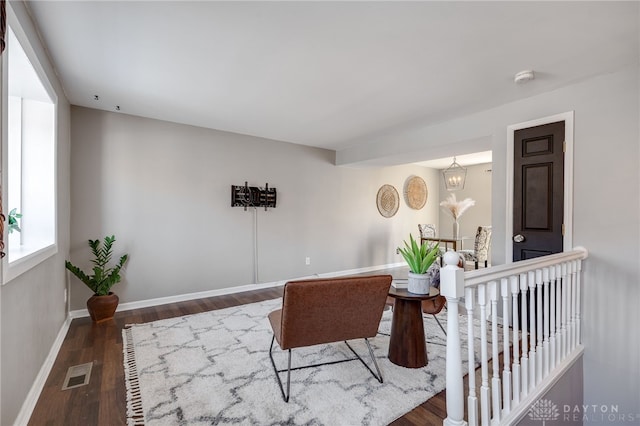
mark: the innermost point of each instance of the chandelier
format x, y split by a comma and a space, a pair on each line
454, 176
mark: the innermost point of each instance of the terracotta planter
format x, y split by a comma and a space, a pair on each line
102, 308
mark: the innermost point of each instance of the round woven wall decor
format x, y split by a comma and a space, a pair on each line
388, 200
415, 191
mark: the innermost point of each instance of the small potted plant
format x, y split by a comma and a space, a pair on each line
419, 257
13, 221
103, 304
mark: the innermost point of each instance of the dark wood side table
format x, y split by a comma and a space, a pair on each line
407, 344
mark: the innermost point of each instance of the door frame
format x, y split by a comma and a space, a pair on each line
567, 117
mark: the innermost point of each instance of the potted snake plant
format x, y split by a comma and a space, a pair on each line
419, 257
103, 304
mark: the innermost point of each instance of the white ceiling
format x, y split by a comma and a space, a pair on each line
325, 74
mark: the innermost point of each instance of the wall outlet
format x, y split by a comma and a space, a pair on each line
66, 295
397, 250
307, 261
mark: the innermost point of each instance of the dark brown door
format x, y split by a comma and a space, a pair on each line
538, 199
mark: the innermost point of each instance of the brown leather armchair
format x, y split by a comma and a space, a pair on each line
320, 311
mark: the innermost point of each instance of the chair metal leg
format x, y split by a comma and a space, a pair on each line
377, 376
438, 321
288, 377
285, 395
275, 369
373, 358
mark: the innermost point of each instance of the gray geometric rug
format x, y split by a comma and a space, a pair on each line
213, 368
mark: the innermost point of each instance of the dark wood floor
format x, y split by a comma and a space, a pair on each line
103, 400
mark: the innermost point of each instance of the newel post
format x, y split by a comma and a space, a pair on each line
452, 287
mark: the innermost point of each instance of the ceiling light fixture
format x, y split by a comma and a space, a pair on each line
523, 77
454, 176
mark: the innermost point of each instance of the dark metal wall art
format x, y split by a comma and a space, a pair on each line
253, 196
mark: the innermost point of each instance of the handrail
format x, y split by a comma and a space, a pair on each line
478, 276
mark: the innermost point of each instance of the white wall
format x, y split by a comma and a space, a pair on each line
605, 212
164, 190
32, 305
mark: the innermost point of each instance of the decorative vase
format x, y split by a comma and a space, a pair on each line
456, 228
419, 283
102, 308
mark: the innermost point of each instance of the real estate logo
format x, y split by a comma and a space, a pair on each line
544, 410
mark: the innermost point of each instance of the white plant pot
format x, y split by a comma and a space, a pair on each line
418, 283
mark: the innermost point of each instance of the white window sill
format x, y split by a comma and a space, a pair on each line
26, 258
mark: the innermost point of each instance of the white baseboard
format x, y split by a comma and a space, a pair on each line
34, 393
181, 298
80, 313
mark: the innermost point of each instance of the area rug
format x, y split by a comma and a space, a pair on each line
213, 368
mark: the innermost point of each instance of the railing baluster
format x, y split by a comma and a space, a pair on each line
574, 304
569, 308
525, 335
565, 311
552, 318
532, 327
485, 408
578, 316
539, 326
559, 311
495, 352
545, 344
506, 373
472, 399
515, 290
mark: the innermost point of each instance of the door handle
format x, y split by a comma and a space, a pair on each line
518, 238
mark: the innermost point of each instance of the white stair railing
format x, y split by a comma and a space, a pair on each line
533, 308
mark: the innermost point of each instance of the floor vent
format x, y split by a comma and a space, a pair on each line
77, 375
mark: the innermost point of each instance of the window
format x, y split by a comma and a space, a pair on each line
29, 157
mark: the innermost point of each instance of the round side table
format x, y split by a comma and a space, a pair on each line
407, 344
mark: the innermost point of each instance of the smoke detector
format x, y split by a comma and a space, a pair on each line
523, 77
